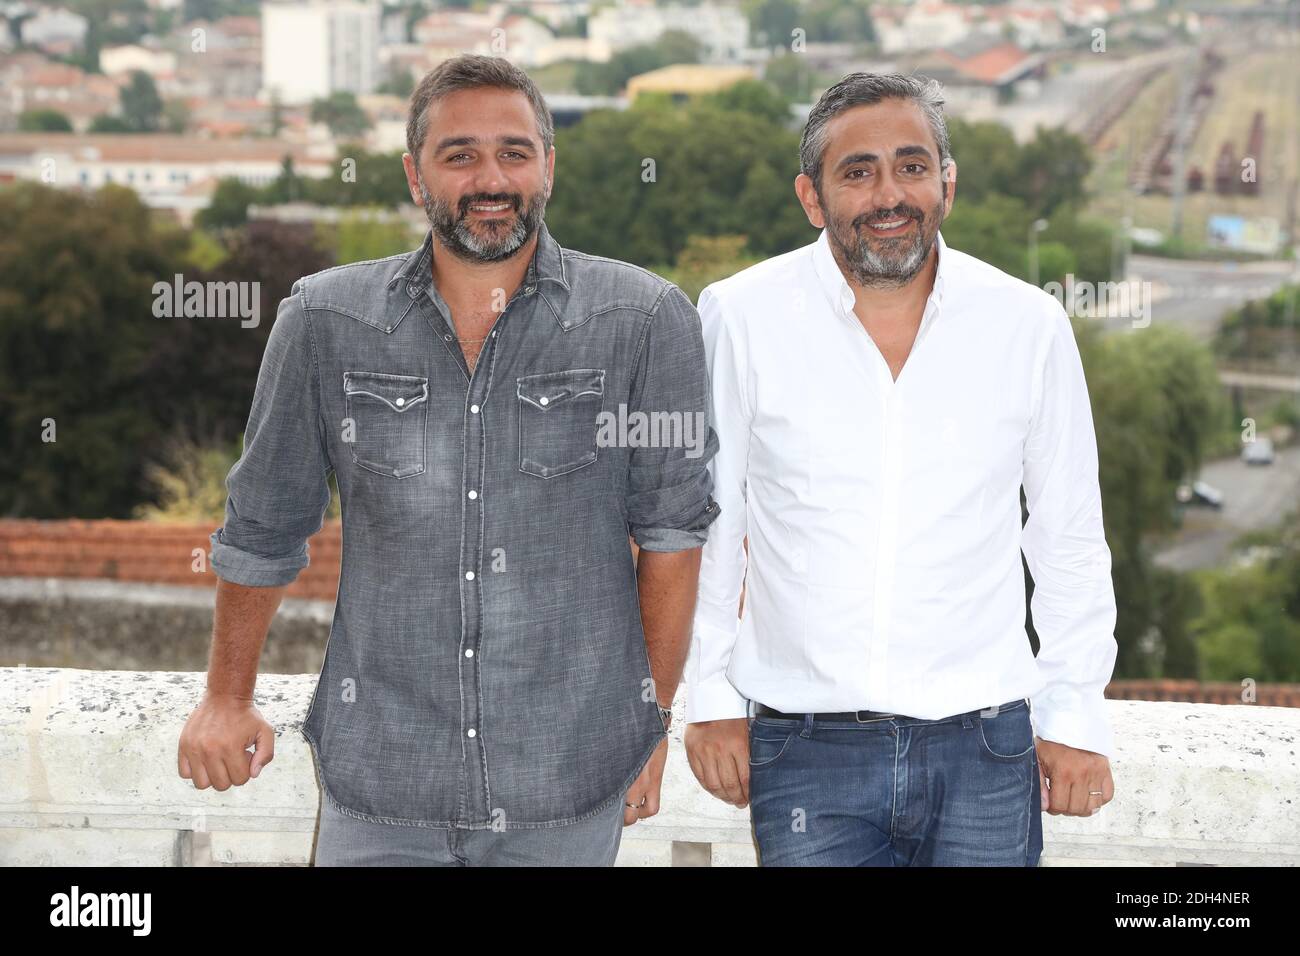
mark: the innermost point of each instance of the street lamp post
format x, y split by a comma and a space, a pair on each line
1038, 226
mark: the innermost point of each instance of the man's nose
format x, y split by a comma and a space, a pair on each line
491, 177
889, 193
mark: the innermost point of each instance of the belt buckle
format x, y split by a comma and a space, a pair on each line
869, 720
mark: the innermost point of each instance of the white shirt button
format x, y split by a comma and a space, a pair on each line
469, 575
471, 732
473, 494
469, 652
544, 400
400, 402
473, 409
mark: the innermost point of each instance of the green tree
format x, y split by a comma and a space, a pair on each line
707, 259
362, 178
838, 21
792, 77
772, 21
1155, 401
638, 184
77, 335
342, 113
1262, 328
107, 123
142, 107
228, 206
1250, 622
752, 97
43, 121
361, 235
608, 79
1051, 170
401, 83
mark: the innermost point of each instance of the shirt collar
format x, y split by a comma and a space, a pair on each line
547, 265
838, 291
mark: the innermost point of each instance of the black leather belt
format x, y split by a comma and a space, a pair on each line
861, 716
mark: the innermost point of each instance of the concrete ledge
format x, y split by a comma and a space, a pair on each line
88, 776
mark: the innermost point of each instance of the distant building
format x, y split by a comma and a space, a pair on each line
229, 64
495, 31
683, 80
170, 172
312, 48
921, 26
55, 29
982, 72
935, 25
115, 60
31, 81
569, 108
722, 30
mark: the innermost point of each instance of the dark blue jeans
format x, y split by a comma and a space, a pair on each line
898, 791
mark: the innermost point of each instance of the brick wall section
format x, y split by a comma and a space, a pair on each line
1204, 692
145, 552
156, 553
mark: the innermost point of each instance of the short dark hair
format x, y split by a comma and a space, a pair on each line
466, 72
867, 89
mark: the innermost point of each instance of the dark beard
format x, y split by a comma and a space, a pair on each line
902, 259
455, 233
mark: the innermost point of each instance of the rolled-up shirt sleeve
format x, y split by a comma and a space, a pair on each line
710, 695
669, 500
1065, 548
278, 491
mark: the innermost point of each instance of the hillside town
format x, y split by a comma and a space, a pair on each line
169, 96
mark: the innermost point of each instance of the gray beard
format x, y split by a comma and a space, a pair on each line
457, 235
873, 270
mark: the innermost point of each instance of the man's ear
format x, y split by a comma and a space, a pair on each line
807, 193
950, 187
412, 183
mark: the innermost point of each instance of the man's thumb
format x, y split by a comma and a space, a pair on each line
263, 750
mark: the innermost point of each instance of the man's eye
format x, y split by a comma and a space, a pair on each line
457, 157
915, 167
853, 173
516, 153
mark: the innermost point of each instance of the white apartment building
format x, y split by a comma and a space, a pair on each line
312, 48
167, 171
114, 60
722, 30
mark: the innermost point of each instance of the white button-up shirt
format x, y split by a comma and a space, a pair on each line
883, 517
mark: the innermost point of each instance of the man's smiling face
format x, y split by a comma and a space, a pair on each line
882, 194
482, 176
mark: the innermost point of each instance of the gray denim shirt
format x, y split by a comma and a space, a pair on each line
486, 665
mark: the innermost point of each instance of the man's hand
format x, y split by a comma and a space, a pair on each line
1072, 774
213, 744
719, 754
644, 792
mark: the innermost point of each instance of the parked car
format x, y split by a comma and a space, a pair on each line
1199, 494
1257, 452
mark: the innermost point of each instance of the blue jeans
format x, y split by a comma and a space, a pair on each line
348, 841
897, 791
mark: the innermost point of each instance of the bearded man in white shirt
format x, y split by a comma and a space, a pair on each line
880, 400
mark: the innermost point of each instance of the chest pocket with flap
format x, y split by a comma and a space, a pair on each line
557, 420
387, 414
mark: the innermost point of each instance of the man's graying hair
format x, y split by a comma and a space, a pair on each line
867, 89
466, 72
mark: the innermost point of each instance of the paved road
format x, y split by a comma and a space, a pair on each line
1255, 497
1197, 295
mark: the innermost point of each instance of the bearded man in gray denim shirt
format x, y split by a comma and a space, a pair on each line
497, 677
